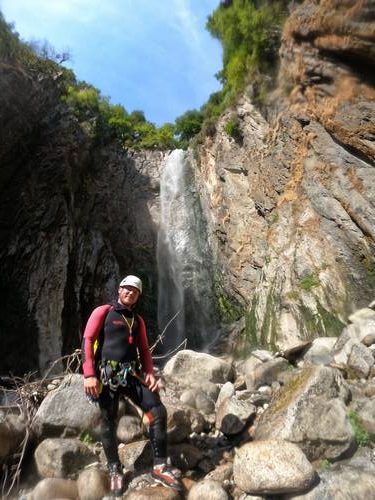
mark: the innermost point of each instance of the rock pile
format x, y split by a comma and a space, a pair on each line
295, 424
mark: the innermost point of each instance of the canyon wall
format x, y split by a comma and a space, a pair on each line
288, 204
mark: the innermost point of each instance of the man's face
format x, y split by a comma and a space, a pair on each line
128, 295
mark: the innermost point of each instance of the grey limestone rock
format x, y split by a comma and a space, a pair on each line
271, 467
62, 457
310, 411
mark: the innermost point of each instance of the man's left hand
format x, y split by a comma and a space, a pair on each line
151, 382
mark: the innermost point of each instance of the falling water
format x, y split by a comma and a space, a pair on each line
184, 263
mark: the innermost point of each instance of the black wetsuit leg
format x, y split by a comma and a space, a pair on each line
108, 403
151, 404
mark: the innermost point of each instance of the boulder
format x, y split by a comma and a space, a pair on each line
320, 351
129, 429
92, 484
199, 399
66, 409
178, 423
49, 488
233, 414
209, 490
226, 391
361, 360
344, 483
365, 410
13, 429
366, 314
152, 492
209, 388
271, 467
204, 403
184, 456
310, 411
189, 367
221, 473
59, 457
137, 455
362, 326
265, 373
188, 397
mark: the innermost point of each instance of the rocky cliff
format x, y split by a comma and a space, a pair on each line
76, 214
289, 205
290, 202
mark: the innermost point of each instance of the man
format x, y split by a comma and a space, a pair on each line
121, 336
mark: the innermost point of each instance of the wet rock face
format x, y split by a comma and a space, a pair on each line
290, 210
75, 216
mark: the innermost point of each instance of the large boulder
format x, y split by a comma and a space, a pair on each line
92, 484
58, 457
209, 490
137, 455
189, 367
66, 409
233, 415
360, 360
345, 483
310, 411
319, 353
362, 325
271, 467
13, 428
129, 429
265, 373
55, 488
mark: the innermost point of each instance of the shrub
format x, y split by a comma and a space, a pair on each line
232, 128
309, 281
249, 32
362, 437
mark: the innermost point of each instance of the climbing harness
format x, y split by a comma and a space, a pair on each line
115, 373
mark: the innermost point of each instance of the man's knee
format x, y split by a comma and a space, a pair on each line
157, 414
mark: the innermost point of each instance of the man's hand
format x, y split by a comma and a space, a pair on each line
91, 386
151, 382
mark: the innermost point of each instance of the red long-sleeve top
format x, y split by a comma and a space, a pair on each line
95, 324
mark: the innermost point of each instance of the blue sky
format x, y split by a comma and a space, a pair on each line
153, 55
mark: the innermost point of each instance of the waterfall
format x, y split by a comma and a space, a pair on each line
184, 265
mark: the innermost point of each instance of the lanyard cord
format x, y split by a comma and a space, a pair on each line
130, 326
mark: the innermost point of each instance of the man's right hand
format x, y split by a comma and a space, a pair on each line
91, 386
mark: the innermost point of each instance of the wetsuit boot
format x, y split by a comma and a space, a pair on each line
116, 479
162, 471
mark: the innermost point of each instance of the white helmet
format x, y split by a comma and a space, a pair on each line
132, 281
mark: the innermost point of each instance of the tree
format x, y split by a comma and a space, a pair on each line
188, 125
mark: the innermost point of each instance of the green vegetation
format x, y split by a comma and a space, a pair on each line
309, 281
187, 126
95, 112
362, 437
249, 32
232, 128
322, 323
229, 311
86, 438
333, 326
275, 218
325, 465
248, 340
293, 295
105, 119
38, 57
